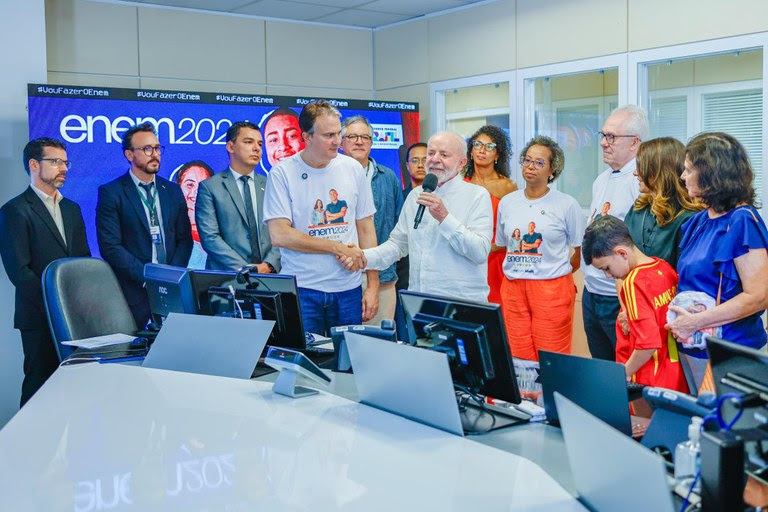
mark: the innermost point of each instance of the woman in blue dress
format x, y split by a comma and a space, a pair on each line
723, 249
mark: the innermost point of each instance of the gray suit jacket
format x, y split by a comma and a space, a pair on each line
223, 226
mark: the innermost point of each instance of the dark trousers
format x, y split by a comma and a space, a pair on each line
599, 313
40, 360
141, 313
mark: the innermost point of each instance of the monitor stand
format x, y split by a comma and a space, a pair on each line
479, 420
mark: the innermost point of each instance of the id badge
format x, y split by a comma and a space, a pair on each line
155, 232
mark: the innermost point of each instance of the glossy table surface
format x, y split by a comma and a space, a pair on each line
115, 437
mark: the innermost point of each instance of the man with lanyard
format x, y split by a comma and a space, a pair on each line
614, 192
142, 218
357, 141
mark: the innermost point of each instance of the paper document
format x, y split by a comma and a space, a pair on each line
100, 341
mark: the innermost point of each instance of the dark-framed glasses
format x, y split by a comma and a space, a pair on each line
610, 138
57, 162
489, 146
148, 150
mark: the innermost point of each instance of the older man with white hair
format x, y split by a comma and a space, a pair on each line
449, 249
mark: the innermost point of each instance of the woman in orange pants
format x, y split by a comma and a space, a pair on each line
538, 293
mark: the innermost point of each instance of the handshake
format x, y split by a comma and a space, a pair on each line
351, 257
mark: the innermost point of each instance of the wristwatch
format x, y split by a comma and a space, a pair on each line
271, 268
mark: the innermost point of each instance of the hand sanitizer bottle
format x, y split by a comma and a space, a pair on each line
688, 458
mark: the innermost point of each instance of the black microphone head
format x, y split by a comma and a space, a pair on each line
430, 183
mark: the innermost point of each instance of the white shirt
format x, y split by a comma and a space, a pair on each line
559, 225
251, 187
143, 194
621, 189
53, 205
293, 191
449, 258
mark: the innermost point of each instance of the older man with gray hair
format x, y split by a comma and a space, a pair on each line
449, 249
357, 142
614, 192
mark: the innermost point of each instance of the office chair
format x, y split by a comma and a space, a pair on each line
83, 299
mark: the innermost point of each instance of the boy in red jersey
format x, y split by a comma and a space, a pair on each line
649, 352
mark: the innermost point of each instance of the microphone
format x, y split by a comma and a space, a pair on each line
428, 185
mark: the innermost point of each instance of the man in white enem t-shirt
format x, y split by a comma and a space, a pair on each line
319, 209
613, 192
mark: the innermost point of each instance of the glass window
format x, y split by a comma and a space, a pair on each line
469, 108
571, 109
720, 92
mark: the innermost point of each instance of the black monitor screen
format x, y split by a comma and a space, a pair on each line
473, 337
169, 290
263, 297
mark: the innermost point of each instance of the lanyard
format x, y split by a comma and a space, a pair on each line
150, 206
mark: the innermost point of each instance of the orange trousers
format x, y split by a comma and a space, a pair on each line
538, 315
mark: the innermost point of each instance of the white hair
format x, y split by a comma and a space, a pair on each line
461, 143
636, 120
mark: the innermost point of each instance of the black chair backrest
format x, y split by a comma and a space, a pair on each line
83, 299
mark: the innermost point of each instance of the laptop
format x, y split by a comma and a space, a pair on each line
421, 388
610, 470
597, 385
211, 345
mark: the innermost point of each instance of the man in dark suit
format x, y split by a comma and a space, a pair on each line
142, 218
229, 208
37, 227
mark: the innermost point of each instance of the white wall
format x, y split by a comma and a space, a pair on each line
23, 60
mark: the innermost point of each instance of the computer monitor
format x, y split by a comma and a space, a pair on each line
260, 296
471, 334
744, 371
169, 291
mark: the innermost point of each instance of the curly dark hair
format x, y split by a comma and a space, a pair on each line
501, 140
556, 162
724, 172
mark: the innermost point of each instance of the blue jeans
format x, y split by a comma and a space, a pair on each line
320, 310
600, 312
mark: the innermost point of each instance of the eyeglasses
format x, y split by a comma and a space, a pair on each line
417, 161
148, 150
489, 146
611, 138
538, 164
356, 138
57, 162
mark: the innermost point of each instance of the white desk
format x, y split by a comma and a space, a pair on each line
114, 437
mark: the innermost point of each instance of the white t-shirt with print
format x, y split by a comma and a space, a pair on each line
558, 225
620, 190
295, 192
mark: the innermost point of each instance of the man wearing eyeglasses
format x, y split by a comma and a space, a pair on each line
37, 227
614, 192
142, 218
357, 142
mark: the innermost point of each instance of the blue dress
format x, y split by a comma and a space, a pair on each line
709, 247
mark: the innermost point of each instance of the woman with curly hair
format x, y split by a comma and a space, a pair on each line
488, 166
538, 292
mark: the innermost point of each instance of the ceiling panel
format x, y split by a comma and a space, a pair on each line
360, 13
286, 10
361, 18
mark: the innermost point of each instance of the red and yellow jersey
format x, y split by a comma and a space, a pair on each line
647, 291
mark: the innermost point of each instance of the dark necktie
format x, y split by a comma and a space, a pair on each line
253, 224
154, 221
